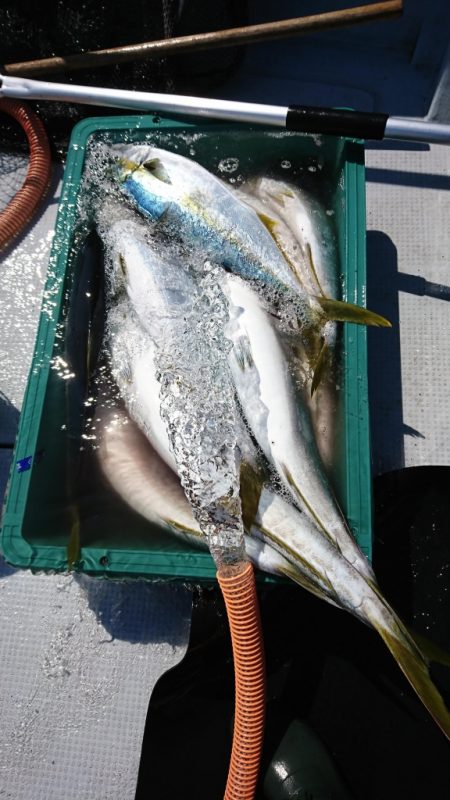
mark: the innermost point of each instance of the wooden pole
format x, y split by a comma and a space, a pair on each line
205, 41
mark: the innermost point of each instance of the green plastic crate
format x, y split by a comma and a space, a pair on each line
116, 542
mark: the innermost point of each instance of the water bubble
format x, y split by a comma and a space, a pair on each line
228, 165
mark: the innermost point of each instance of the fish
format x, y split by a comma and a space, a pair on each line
137, 473
201, 209
277, 417
306, 238
198, 400
302, 229
303, 224
194, 205
150, 286
279, 537
133, 367
313, 255
160, 293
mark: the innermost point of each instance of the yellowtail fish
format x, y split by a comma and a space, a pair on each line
206, 215
182, 314
279, 419
307, 240
302, 231
150, 487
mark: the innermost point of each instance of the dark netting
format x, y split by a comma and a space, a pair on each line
31, 30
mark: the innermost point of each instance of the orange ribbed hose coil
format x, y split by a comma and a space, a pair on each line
21, 208
241, 601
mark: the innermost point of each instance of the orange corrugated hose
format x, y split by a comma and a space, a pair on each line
21, 208
241, 601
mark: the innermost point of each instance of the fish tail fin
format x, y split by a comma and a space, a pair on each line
411, 661
340, 311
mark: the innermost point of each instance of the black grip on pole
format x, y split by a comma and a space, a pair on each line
335, 121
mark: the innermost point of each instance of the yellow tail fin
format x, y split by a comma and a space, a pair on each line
339, 311
412, 662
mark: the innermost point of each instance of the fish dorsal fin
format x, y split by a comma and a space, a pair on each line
340, 311
306, 583
123, 265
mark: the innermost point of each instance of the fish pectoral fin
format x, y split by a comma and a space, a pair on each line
128, 165
251, 484
278, 197
340, 311
155, 166
319, 366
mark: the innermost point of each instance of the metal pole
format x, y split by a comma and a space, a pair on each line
417, 130
27, 89
331, 121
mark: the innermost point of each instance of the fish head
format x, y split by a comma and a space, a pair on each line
158, 285
151, 177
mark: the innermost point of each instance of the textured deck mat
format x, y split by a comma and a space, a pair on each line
79, 663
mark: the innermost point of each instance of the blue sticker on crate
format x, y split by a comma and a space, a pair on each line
24, 463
